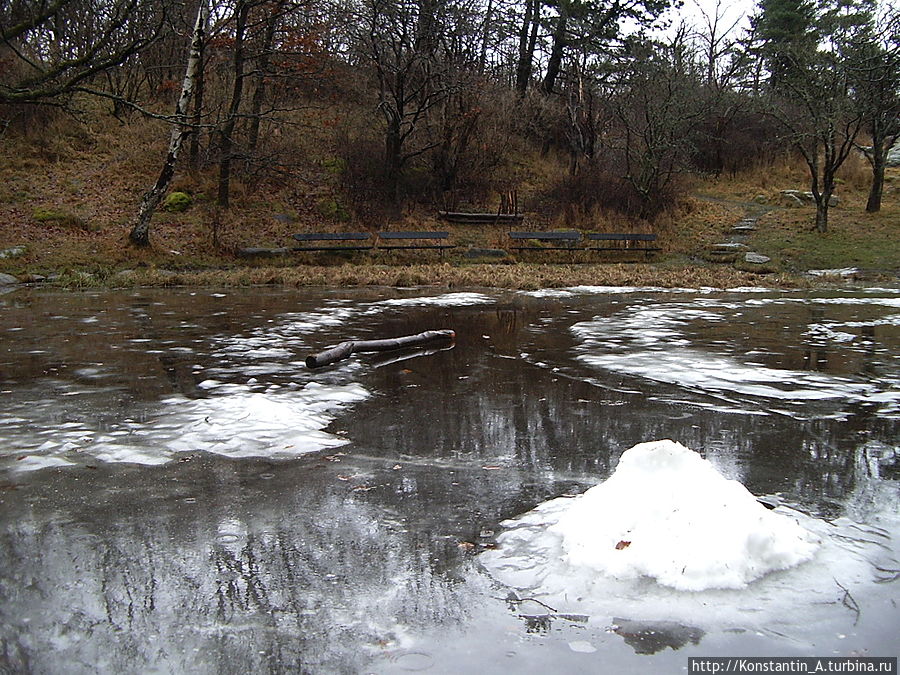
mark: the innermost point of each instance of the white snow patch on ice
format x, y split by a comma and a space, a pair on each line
839, 272
651, 342
235, 422
571, 291
694, 369
820, 331
446, 300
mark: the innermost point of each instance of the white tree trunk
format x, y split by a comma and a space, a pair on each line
140, 233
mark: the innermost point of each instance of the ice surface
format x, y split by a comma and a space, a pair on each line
654, 342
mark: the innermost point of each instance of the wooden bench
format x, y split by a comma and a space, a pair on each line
309, 239
414, 240
619, 241
481, 218
562, 241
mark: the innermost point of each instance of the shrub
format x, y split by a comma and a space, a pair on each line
333, 209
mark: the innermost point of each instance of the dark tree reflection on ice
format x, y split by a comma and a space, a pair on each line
341, 532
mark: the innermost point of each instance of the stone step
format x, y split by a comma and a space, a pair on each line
728, 247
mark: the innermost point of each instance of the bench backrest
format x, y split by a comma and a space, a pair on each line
413, 235
547, 236
331, 236
620, 236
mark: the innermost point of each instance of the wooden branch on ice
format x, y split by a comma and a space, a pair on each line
345, 349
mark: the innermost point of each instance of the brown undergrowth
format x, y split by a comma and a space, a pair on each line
69, 200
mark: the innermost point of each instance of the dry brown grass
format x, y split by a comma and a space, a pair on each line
96, 173
525, 276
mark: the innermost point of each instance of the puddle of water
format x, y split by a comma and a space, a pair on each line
179, 493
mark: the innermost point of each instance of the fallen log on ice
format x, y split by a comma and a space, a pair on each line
345, 349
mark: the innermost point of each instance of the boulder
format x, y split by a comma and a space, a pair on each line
893, 155
794, 198
791, 201
254, 252
477, 253
756, 258
13, 252
7, 280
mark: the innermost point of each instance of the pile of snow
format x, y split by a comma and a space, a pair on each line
667, 513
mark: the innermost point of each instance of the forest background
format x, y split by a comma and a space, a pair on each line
152, 141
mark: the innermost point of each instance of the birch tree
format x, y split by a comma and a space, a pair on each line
181, 129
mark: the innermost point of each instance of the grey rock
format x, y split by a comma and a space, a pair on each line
757, 258
13, 252
728, 246
893, 155
262, 252
474, 253
7, 280
843, 272
804, 197
791, 201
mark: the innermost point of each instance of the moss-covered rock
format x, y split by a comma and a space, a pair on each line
177, 202
333, 209
336, 166
44, 214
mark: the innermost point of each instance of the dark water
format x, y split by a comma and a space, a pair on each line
178, 493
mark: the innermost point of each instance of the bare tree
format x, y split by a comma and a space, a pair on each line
58, 48
402, 43
528, 33
822, 124
656, 109
875, 77
140, 232
717, 39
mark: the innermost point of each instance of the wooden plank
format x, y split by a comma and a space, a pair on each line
332, 236
547, 236
332, 248
620, 236
413, 235
546, 248
647, 249
480, 218
629, 241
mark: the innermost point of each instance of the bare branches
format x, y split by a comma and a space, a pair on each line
63, 46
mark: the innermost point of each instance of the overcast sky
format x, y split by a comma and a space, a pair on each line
730, 11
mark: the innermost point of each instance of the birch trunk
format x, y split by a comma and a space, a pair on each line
140, 233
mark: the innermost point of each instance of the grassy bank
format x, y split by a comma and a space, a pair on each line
524, 276
67, 199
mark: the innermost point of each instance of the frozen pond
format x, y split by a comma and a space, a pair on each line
180, 494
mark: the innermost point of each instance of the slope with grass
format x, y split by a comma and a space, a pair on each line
68, 195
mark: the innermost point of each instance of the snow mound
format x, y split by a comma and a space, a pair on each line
668, 514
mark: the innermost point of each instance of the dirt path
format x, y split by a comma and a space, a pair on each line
734, 245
